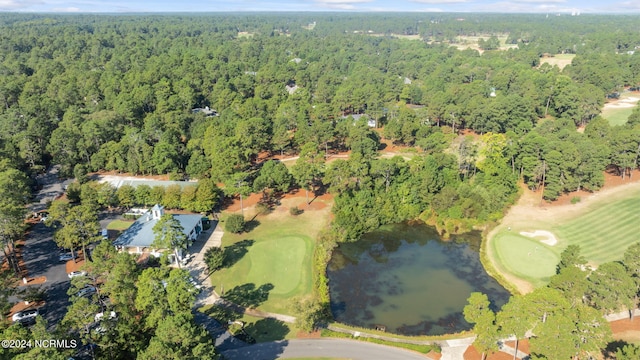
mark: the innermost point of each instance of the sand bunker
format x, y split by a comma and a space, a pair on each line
622, 103
549, 238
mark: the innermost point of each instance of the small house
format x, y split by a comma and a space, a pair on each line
139, 237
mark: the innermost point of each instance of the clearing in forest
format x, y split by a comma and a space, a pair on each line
561, 60
618, 111
471, 42
272, 263
526, 246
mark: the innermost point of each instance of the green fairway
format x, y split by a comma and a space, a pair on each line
604, 228
617, 116
604, 233
272, 263
278, 261
525, 257
617, 112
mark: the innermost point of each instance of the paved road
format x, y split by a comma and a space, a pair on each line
350, 349
40, 253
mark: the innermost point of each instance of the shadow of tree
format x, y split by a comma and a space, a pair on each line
266, 330
247, 295
613, 347
233, 253
251, 224
223, 314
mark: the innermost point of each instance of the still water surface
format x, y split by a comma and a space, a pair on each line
405, 278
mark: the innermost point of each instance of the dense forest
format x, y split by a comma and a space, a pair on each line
210, 96
118, 93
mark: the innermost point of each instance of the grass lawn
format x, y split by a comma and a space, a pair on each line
617, 116
525, 257
272, 263
561, 60
119, 225
617, 112
604, 228
604, 233
260, 329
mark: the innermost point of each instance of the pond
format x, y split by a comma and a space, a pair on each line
404, 278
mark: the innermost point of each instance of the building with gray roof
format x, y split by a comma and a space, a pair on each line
139, 237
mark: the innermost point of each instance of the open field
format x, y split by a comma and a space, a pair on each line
272, 263
604, 224
618, 111
471, 42
119, 225
561, 60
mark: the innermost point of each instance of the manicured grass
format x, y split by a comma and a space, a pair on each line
272, 263
260, 329
604, 230
525, 257
424, 349
119, 225
604, 233
617, 116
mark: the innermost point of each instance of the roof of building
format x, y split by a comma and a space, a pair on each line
117, 182
140, 233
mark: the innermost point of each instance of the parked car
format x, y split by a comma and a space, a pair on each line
86, 291
66, 257
76, 273
25, 314
195, 284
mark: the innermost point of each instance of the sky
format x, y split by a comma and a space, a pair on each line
498, 6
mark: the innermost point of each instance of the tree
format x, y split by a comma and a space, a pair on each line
273, 175
79, 227
143, 195
169, 234
80, 317
126, 195
15, 192
309, 313
631, 263
151, 297
570, 257
207, 196
477, 312
611, 288
238, 184
308, 168
171, 198
177, 337
235, 223
214, 258
514, 319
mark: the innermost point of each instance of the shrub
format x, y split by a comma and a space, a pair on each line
235, 223
575, 199
214, 258
295, 211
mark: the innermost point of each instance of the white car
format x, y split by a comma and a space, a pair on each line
66, 257
195, 284
25, 314
86, 291
76, 273
99, 316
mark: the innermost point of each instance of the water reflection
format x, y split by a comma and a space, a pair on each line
404, 278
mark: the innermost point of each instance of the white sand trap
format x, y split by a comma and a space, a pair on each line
548, 237
622, 103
